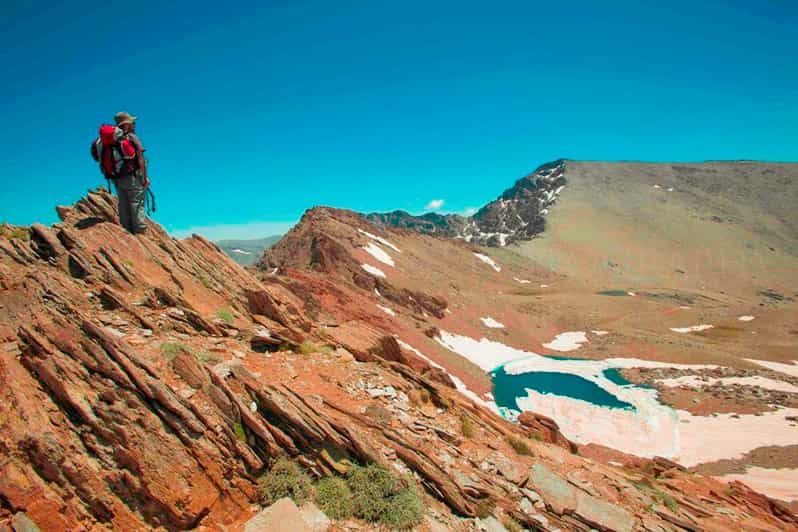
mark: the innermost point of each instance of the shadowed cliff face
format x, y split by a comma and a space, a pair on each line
148, 382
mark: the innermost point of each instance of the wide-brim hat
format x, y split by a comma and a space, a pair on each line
124, 118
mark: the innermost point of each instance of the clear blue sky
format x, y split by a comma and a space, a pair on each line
253, 113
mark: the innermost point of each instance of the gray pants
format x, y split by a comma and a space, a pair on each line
130, 192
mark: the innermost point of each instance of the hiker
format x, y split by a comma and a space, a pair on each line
120, 154
133, 181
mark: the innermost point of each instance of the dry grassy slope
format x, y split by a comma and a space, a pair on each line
728, 226
723, 234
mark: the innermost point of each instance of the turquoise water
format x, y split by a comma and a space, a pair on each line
613, 375
506, 388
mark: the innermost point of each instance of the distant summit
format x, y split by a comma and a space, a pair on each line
247, 252
518, 214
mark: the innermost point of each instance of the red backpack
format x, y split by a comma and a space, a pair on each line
113, 151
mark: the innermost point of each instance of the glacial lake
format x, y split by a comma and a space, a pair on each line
507, 387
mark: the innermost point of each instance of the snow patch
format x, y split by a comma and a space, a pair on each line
721, 436
458, 383
380, 240
387, 310
692, 328
780, 484
489, 261
745, 318
600, 333
567, 341
522, 281
241, 251
490, 322
373, 270
787, 369
694, 381
378, 253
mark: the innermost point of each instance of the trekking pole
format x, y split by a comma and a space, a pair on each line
149, 201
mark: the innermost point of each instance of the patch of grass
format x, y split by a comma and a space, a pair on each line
14, 233
467, 427
307, 347
511, 524
171, 349
425, 395
520, 445
205, 282
284, 479
206, 357
128, 264
669, 501
379, 414
485, 507
380, 496
240, 434
334, 498
225, 315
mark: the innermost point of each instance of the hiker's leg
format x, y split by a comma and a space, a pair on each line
123, 201
137, 215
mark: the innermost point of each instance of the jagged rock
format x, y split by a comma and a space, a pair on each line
282, 516
546, 429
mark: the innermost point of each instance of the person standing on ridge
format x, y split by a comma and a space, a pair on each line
120, 155
133, 180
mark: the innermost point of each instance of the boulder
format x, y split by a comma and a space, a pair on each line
603, 515
315, 518
557, 493
282, 516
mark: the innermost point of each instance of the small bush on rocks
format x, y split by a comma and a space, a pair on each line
225, 315
467, 427
171, 349
519, 445
380, 496
285, 479
334, 498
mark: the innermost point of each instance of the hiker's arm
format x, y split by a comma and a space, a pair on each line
141, 160
143, 168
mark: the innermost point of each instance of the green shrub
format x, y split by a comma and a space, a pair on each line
171, 349
206, 357
240, 434
467, 427
307, 347
512, 525
285, 479
128, 264
669, 501
334, 498
205, 282
19, 233
520, 445
225, 315
425, 396
380, 496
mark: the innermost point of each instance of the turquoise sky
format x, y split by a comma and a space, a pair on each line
253, 113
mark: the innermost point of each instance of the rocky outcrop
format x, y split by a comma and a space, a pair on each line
518, 214
545, 429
